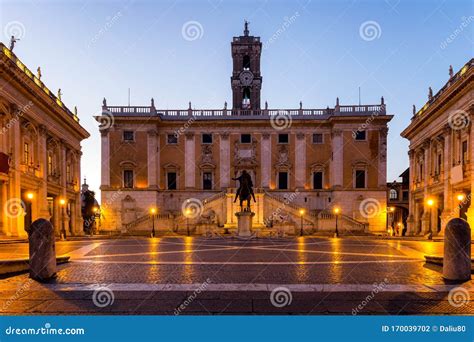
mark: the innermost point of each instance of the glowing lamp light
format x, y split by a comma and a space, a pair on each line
430, 202
337, 210
302, 211
95, 209
62, 201
153, 211
392, 209
30, 195
460, 197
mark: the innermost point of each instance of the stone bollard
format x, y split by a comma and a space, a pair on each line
457, 251
42, 250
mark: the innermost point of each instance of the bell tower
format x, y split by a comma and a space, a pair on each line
246, 80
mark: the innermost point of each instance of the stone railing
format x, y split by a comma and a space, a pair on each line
202, 114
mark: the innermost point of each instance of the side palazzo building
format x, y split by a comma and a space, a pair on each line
303, 162
441, 136
40, 153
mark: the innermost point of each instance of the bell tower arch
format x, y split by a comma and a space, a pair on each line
246, 80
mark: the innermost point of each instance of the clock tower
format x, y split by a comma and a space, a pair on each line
246, 80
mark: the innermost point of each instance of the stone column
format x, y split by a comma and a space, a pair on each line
411, 202
224, 160
151, 159
158, 161
470, 211
337, 159
189, 161
425, 220
105, 150
447, 213
382, 167
17, 223
64, 213
43, 161
300, 161
266, 160
78, 229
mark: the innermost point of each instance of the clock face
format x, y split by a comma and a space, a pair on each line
246, 77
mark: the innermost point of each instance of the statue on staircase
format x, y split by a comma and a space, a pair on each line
245, 190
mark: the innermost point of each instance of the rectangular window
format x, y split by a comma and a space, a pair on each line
245, 138
360, 135
128, 136
283, 138
464, 152
282, 180
26, 153
207, 138
50, 165
171, 139
360, 179
207, 181
405, 195
317, 138
128, 179
171, 180
317, 180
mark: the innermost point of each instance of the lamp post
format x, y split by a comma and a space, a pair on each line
390, 211
95, 210
188, 212
460, 197
430, 202
62, 203
336, 211
302, 211
153, 213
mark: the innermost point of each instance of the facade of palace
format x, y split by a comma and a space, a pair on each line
442, 156
311, 159
40, 153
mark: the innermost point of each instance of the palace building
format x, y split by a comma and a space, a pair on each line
441, 154
40, 153
303, 162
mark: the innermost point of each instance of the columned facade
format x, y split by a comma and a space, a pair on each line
442, 157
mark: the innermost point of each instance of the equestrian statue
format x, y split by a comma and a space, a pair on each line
245, 190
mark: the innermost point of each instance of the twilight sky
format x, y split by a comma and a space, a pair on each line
179, 51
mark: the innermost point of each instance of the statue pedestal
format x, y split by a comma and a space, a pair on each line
244, 223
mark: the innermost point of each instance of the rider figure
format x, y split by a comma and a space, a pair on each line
244, 179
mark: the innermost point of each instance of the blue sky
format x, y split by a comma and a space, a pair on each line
92, 49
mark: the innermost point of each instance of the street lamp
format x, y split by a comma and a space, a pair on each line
302, 211
95, 210
336, 211
153, 213
390, 211
460, 197
29, 196
430, 202
62, 203
188, 213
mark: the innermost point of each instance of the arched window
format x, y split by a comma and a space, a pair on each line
393, 194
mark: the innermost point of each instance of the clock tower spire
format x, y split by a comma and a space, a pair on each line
246, 80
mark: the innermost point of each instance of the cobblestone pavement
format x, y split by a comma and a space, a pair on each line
192, 275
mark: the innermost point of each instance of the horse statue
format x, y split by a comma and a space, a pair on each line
245, 190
